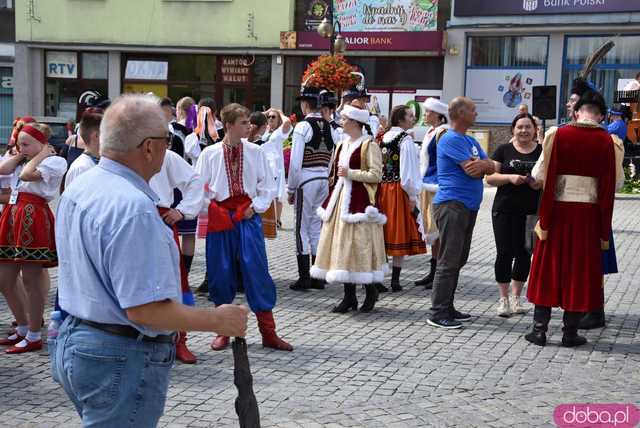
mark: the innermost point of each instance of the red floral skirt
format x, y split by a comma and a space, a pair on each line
567, 267
27, 232
401, 234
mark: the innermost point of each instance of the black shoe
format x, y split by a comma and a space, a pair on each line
370, 299
381, 288
395, 279
449, 324
349, 301
301, 285
304, 280
204, 287
571, 340
592, 320
318, 284
537, 337
427, 281
459, 316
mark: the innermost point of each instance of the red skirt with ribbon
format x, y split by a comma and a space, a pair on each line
27, 232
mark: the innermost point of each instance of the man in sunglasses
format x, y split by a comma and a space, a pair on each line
119, 278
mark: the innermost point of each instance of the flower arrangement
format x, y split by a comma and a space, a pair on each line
332, 72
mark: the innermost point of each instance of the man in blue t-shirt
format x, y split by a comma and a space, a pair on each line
461, 166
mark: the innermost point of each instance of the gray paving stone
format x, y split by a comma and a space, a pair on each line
386, 368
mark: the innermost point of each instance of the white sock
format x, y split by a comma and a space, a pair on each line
34, 336
22, 330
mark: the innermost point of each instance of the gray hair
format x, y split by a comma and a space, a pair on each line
457, 105
128, 121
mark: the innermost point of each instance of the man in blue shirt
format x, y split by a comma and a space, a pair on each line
461, 166
119, 278
617, 123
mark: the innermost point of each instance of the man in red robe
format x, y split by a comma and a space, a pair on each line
579, 174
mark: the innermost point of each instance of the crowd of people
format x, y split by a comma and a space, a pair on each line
147, 179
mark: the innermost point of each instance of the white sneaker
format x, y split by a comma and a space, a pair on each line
504, 310
516, 305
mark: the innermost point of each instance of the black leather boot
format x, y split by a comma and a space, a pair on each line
395, 279
370, 299
317, 284
570, 338
381, 288
304, 280
427, 281
349, 301
541, 317
204, 287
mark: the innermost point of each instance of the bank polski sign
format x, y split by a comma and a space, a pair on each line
541, 7
62, 65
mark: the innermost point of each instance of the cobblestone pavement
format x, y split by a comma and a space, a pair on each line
386, 368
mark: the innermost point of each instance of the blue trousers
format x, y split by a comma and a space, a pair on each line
113, 381
239, 255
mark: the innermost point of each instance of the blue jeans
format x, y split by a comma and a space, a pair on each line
113, 381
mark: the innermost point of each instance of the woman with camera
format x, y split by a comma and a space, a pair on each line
516, 198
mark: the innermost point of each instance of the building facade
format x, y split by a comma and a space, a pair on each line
7, 39
498, 51
397, 45
225, 49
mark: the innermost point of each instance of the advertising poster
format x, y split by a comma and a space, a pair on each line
387, 15
498, 93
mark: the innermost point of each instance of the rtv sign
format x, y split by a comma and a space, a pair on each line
62, 65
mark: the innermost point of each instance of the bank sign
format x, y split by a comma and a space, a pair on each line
542, 7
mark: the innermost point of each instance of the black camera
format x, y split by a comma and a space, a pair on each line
522, 167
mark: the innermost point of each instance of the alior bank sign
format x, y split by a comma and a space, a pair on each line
541, 7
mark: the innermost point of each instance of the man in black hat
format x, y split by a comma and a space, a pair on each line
360, 98
307, 184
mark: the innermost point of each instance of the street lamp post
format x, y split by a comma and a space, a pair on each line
326, 29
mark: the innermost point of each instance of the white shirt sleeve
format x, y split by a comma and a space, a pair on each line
184, 178
410, 179
192, 147
52, 168
203, 169
302, 134
266, 185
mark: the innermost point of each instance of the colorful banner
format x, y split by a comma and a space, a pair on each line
498, 93
541, 7
386, 15
381, 41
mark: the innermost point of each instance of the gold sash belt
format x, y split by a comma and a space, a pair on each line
577, 188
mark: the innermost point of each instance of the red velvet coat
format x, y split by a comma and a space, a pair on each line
567, 264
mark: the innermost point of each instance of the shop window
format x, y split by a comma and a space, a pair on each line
95, 65
507, 52
621, 63
68, 75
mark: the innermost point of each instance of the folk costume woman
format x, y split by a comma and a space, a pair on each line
27, 238
399, 192
351, 247
278, 130
435, 115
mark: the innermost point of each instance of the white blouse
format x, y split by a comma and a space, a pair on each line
176, 173
51, 169
275, 158
82, 164
192, 147
410, 179
256, 178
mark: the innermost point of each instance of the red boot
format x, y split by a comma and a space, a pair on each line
220, 343
31, 346
267, 326
182, 352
